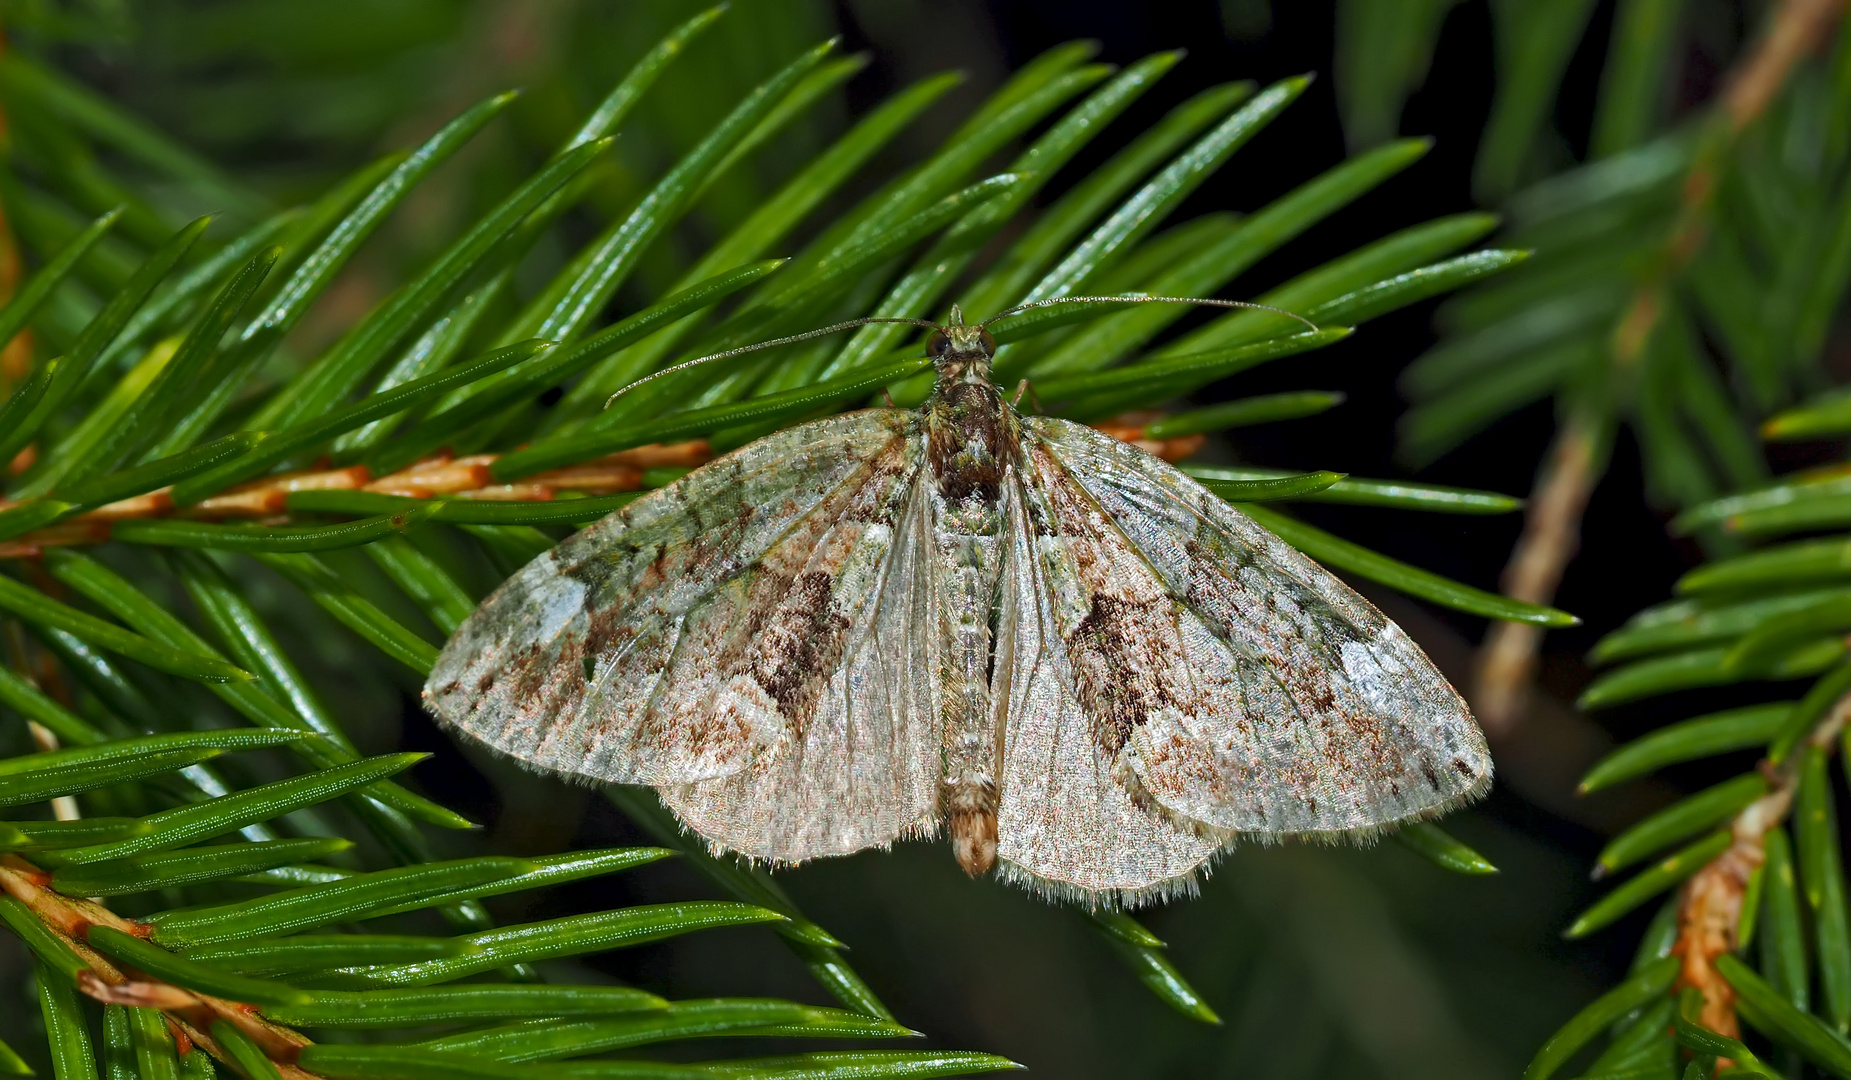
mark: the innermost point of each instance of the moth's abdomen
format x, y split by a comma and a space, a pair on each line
971, 446
969, 545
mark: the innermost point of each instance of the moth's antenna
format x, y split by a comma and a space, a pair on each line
1142, 299
772, 344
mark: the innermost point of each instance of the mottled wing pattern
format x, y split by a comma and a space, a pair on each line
705, 629
1068, 819
1239, 684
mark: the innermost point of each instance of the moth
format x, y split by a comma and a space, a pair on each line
1090, 671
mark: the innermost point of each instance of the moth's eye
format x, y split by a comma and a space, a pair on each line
989, 343
937, 345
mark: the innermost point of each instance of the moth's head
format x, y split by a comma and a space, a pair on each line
955, 343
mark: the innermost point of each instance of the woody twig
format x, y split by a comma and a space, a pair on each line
441, 476
266, 499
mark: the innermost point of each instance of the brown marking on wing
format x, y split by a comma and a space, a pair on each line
1113, 662
803, 640
774, 634
1124, 649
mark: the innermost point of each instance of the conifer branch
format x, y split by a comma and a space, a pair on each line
189, 1012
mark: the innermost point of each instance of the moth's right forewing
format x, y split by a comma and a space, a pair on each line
1319, 715
561, 665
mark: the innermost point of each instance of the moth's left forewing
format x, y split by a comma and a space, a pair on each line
579, 663
1304, 710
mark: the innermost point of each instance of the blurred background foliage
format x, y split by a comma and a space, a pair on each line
1691, 226
1692, 253
1320, 963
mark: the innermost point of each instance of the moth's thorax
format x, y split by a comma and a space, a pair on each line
973, 435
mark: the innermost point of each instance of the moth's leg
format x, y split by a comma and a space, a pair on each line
887, 396
1025, 387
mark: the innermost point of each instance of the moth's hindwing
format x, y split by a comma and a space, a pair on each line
839, 620
1243, 686
613, 657
1068, 824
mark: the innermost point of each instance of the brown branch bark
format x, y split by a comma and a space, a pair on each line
1551, 535
1710, 908
1507, 661
16, 355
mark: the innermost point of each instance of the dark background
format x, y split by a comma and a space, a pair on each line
1322, 963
